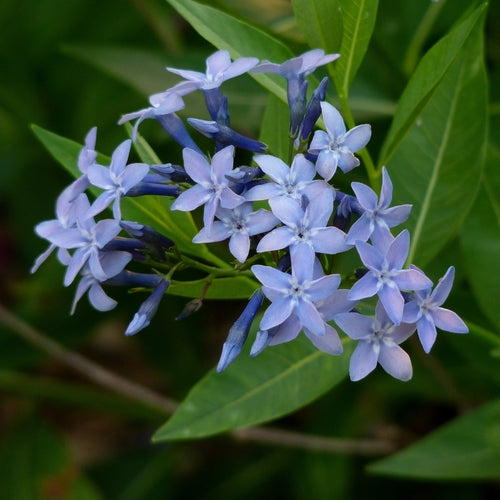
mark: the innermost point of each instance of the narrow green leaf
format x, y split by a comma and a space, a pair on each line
358, 21
240, 287
437, 165
274, 128
459, 450
320, 21
480, 240
238, 37
433, 68
254, 390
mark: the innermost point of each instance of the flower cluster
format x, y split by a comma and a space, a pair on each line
284, 221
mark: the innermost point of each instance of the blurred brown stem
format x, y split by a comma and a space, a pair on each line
137, 392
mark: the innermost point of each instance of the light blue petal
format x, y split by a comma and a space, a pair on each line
363, 361
239, 246
443, 288
277, 239
449, 321
276, 313
334, 122
357, 138
355, 325
393, 302
395, 362
272, 278
367, 286
365, 195
329, 342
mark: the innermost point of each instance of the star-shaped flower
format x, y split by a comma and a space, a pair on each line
294, 181
212, 187
162, 104
386, 277
219, 69
304, 227
238, 225
295, 293
335, 147
377, 217
379, 341
116, 180
425, 310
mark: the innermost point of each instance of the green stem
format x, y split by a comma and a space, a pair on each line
414, 49
373, 175
214, 271
484, 334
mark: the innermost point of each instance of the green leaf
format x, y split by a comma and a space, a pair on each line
321, 23
437, 165
238, 37
34, 460
433, 68
459, 450
480, 240
274, 128
358, 21
251, 391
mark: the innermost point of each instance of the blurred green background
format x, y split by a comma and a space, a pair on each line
68, 65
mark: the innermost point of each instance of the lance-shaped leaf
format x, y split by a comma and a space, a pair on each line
466, 448
358, 21
254, 390
320, 21
480, 237
437, 165
274, 127
428, 76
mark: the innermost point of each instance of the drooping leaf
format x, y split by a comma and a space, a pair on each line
480, 239
466, 448
437, 164
321, 23
427, 78
280, 380
358, 21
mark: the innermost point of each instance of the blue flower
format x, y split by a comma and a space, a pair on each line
335, 147
379, 340
295, 293
330, 343
239, 331
219, 68
162, 104
295, 71
225, 136
67, 210
377, 217
88, 238
147, 309
300, 66
238, 225
97, 297
294, 181
425, 311
304, 227
116, 180
386, 277
212, 189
